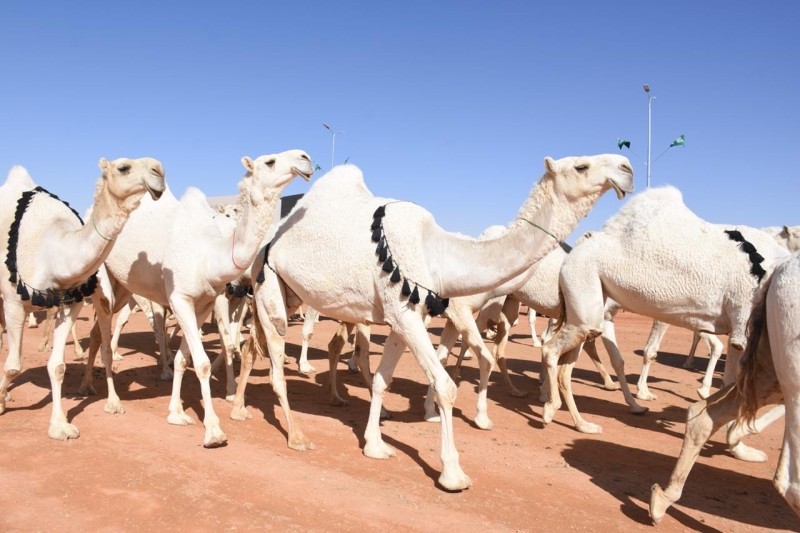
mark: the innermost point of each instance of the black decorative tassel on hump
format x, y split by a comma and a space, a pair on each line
756, 270
41, 297
433, 302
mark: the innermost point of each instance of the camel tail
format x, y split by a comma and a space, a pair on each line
757, 347
562, 311
253, 344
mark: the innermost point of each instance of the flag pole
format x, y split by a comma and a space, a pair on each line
649, 127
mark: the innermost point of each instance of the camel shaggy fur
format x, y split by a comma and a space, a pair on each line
658, 259
174, 253
325, 255
770, 374
55, 252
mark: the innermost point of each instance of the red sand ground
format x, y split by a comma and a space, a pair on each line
134, 471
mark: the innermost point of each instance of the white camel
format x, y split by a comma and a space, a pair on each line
50, 258
657, 258
325, 257
769, 374
174, 253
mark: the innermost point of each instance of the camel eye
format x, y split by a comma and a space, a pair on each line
582, 168
124, 168
270, 163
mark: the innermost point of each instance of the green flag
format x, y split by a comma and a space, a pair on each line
621, 143
680, 141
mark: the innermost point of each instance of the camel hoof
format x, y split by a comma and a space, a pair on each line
659, 503
352, 365
548, 413
300, 444
306, 368
611, 385
240, 413
589, 427
536, 342
544, 397
455, 481
230, 397
180, 419
516, 393
704, 392
214, 438
116, 357
385, 415
432, 417
688, 365
745, 453
639, 410
483, 422
114, 407
645, 396
166, 375
87, 390
338, 401
63, 431
379, 450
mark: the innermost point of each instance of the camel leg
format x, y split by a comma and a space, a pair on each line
610, 343
160, 329
236, 325
590, 347
704, 418
716, 351
113, 404
238, 409
565, 367
501, 341
308, 332
568, 338
335, 347
410, 331
15, 319
689, 363
787, 475
446, 343
532, 323
33, 322
87, 384
79, 355
60, 428
657, 332
221, 317
122, 318
547, 334
48, 326
274, 329
361, 351
189, 319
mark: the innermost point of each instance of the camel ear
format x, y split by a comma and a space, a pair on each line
248, 163
786, 232
550, 164
220, 209
104, 164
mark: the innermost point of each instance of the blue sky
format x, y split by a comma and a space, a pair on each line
452, 105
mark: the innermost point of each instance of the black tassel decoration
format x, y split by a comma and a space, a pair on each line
380, 212
388, 265
406, 290
395, 275
747, 247
22, 290
383, 253
376, 235
376, 224
414, 298
735, 235
435, 305
758, 271
37, 299
756, 257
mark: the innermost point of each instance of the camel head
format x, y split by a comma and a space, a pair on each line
577, 177
126, 178
790, 236
269, 172
230, 210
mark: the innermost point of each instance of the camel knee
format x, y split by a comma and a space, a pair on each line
446, 392
58, 371
204, 372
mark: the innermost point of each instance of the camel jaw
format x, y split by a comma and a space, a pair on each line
154, 193
304, 175
621, 192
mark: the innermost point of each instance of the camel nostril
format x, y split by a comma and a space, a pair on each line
626, 168
304, 156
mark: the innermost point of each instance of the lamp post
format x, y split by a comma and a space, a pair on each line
650, 99
333, 140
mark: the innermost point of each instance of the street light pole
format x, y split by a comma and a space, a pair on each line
650, 99
333, 140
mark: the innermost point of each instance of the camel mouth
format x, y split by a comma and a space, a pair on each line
154, 193
618, 190
305, 175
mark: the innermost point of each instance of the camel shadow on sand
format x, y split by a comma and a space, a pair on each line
628, 473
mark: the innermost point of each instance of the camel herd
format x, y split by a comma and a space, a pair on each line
362, 259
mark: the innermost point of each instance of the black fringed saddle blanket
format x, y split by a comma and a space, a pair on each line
41, 297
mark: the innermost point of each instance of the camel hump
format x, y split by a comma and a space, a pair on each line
194, 197
18, 176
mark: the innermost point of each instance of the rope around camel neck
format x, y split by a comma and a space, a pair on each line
97, 230
539, 227
233, 246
